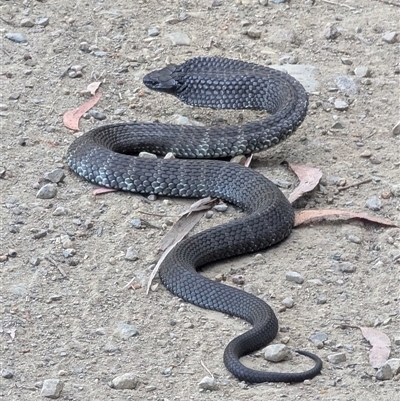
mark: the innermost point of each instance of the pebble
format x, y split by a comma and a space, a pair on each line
315, 281
55, 176
295, 277
7, 373
136, 223
288, 59
34, 261
347, 267
396, 129
100, 53
97, 114
131, 254
305, 73
153, 32
240, 159
278, 1
331, 32
277, 353
340, 105
394, 364
222, 207
48, 191
52, 388
395, 190
16, 37
337, 358
288, 302
362, 72
44, 21
318, 339
373, 203
385, 372
253, 33
389, 37
208, 383
238, 279
366, 154
178, 39
69, 252
27, 23
147, 155
127, 381
354, 239
125, 331
346, 85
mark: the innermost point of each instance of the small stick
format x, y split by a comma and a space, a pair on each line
356, 184
339, 4
392, 3
206, 369
54, 263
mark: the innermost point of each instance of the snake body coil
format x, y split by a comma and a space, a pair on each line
102, 156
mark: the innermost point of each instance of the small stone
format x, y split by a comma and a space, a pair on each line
263, 2
16, 37
7, 373
125, 331
362, 72
389, 37
55, 176
238, 279
136, 223
331, 32
34, 261
97, 114
240, 159
395, 190
384, 372
27, 23
69, 252
338, 125
14, 96
178, 39
366, 154
295, 277
127, 381
288, 59
44, 21
346, 61
172, 20
131, 254
147, 155
100, 331
288, 302
223, 207
153, 32
315, 281
340, 105
373, 203
318, 338
277, 353
337, 358
208, 383
48, 191
354, 239
396, 129
52, 388
394, 364
253, 33
346, 85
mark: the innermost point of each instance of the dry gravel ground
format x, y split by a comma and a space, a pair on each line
61, 307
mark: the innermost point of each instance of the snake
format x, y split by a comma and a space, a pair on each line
107, 156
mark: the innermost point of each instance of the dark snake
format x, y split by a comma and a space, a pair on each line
103, 156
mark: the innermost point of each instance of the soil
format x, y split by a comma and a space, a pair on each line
64, 274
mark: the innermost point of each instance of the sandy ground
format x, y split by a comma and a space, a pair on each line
63, 269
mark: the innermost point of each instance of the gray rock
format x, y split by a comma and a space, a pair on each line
396, 129
99, 53
100, 331
239, 159
27, 23
373, 203
131, 254
346, 85
7, 374
305, 73
295, 277
182, 120
288, 302
395, 190
147, 155
277, 353
337, 358
319, 338
331, 32
97, 114
18, 289
52, 388
127, 381
16, 37
389, 37
253, 33
48, 191
136, 223
354, 239
125, 331
178, 39
208, 383
153, 32
340, 105
347, 267
385, 372
394, 364
44, 21
362, 72
223, 207
55, 176
278, 1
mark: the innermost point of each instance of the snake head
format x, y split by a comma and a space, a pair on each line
162, 80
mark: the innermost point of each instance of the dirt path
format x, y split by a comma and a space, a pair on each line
64, 267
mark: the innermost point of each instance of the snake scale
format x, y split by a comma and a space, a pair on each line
104, 157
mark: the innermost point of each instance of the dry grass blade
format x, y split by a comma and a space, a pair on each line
308, 216
309, 178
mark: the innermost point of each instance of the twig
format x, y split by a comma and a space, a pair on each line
339, 4
206, 369
392, 3
356, 184
54, 263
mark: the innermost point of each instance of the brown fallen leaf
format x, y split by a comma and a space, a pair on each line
309, 178
92, 88
71, 117
380, 342
308, 216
